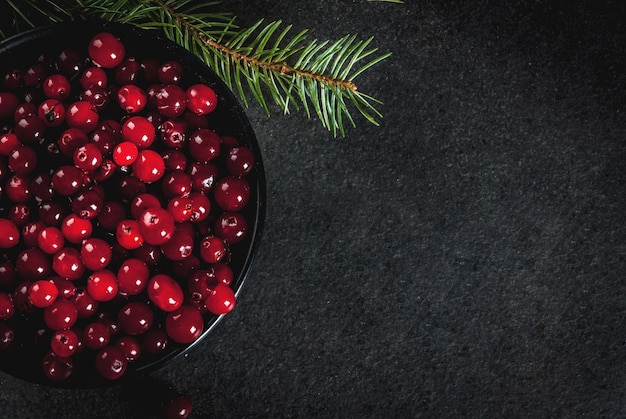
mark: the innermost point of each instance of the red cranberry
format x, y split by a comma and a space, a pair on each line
231, 193
64, 343
231, 226
67, 180
149, 166
8, 104
70, 62
82, 115
170, 72
128, 234
102, 285
130, 347
165, 292
57, 86
50, 240
76, 229
201, 207
19, 214
173, 133
67, 264
97, 96
125, 153
143, 202
96, 335
204, 145
95, 253
17, 189
105, 50
8, 143
201, 99
33, 264
42, 293
85, 305
87, 157
7, 308
51, 112
57, 368
30, 130
70, 140
138, 130
127, 72
181, 208
184, 325
174, 160
131, 98
153, 341
87, 204
133, 276
156, 225
41, 186
203, 176
176, 183
52, 212
93, 76
171, 101
10, 234
111, 215
180, 245
8, 274
212, 249
135, 318
221, 300
240, 161
61, 314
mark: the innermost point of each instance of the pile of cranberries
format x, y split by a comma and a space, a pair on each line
119, 208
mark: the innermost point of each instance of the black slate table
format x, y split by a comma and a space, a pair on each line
467, 258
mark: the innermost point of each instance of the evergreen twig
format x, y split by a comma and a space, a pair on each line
267, 60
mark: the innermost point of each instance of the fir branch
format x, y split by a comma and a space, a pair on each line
267, 60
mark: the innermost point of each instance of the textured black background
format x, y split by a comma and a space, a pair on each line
464, 259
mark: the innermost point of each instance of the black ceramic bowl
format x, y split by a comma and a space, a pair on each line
23, 358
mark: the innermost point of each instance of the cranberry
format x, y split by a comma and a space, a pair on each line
129, 187
231, 226
105, 171
231, 193
76, 229
52, 212
184, 325
57, 86
201, 99
143, 202
171, 101
61, 314
8, 104
221, 301
105, 50
131, 98
153, 341
87, 204
41, 186
138, 130
180, 245
130, 347
165, 292
66, 288
128, 71
97, 96
174, 160
30, 129
70, 140
42, 293
67, 264
95, 253
70, 62
82, 115
128, 234
173, 133
67, 180
102, 285
170, 72
212, 249
104, 140
88, 157
8, 143
96, 335
133, 276
33, 264
85, 305
51, 112
200, 207
50, 240
7, 308
135, 318
181, 208
19, 214
148, 253
57, 368
125, 153
64, 343
176, 183
240, 161
111, 215
10, 234
204, 145
203, 176
156, 225
93, 76
17, 189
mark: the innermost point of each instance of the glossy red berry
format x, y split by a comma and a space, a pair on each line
7, 308
204, 145
102, 285
181, 208
149, 166
212, 249
128, 234
87, 203
131, 98
231, 193
95, 253
88, 157
42, 293
68, 264
93, 76
170, 72
181, 244
10, 234
221, 301
130, 347
135, 318
57, 86
171, 101
67, 180
105, 50
50, 240
64, 343
125, 153
8, 143
86, 306
165, 292
82, 115
32, 264
61, 314
184, 325
76, 229
51, 112
231, 226
8, 104
143, 202
201, 99
138, 130
133, 276
57, 368
96, 335
111, 362
240, 161
156, 225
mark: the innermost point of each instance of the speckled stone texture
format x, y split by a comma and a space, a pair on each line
464, 259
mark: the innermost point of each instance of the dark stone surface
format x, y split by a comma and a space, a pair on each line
464, 259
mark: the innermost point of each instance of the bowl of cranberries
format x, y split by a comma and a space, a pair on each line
132, 199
